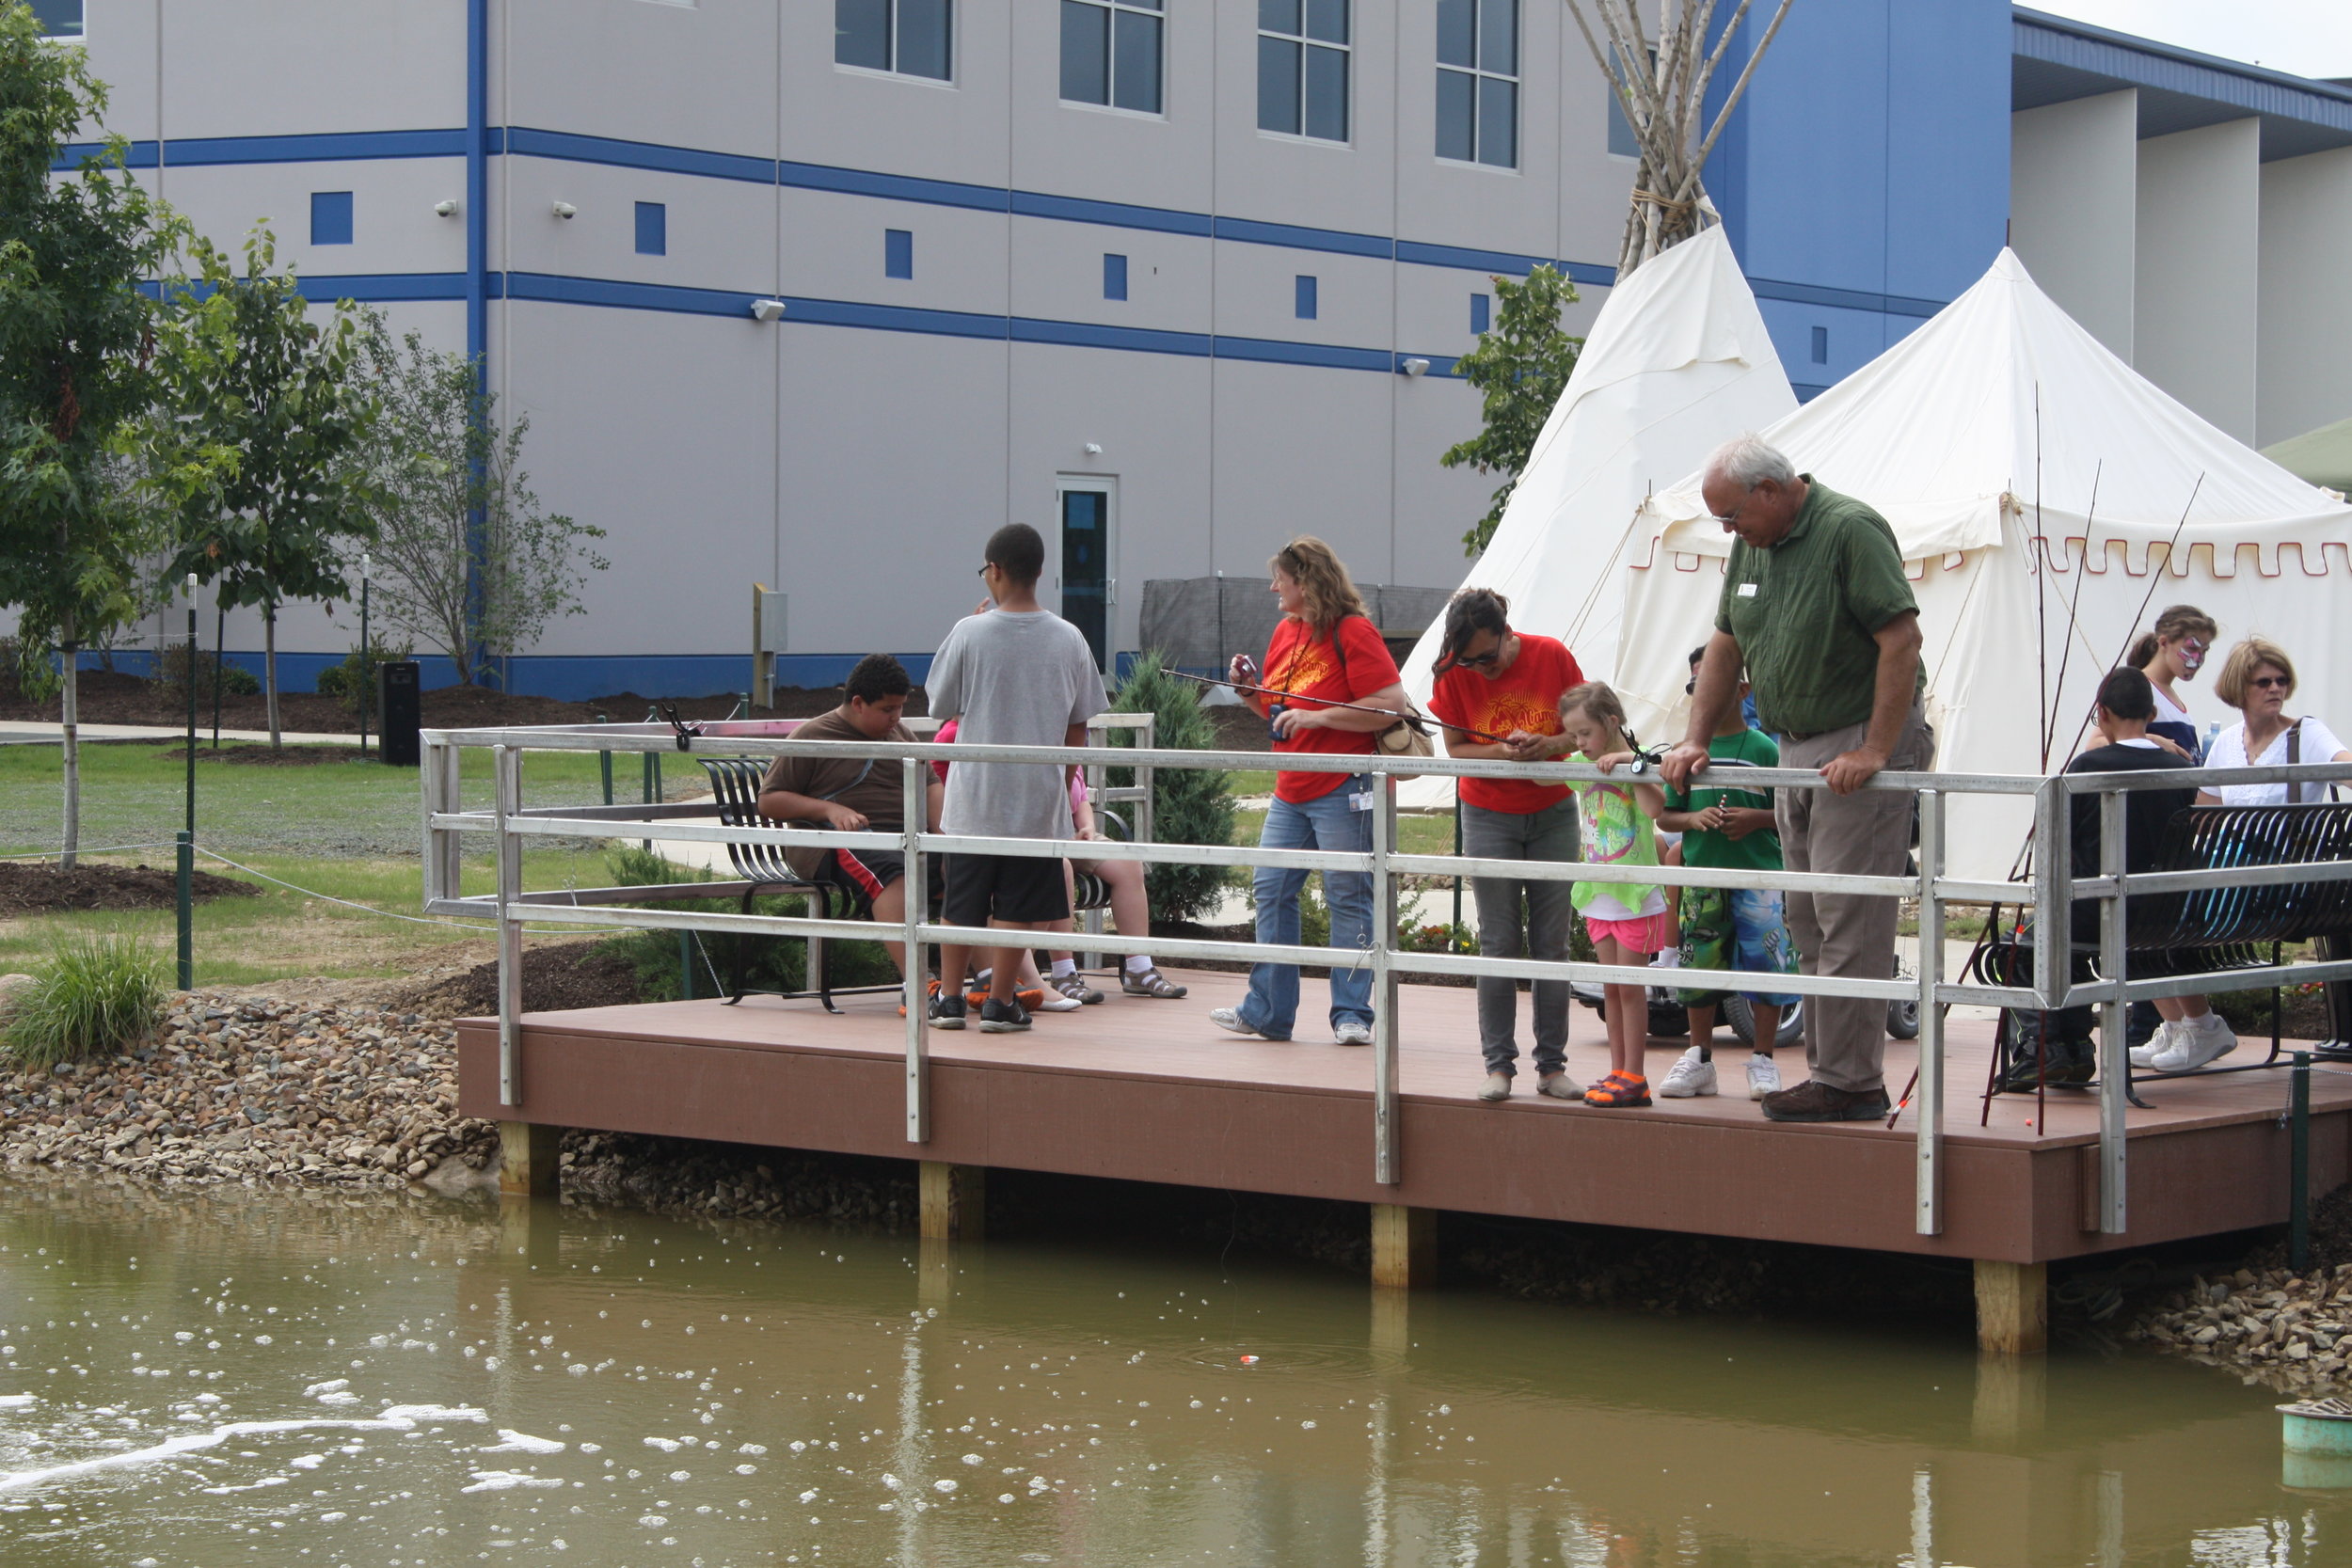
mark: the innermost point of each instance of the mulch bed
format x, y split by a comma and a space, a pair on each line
1238, 729
571, 975
261, 754
42, 889
106, 699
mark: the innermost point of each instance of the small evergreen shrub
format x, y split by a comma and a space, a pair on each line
1189, 805
353, 682
98, 992
171, 669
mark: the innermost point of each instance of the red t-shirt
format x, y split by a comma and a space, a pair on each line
1524, 697
1314, 672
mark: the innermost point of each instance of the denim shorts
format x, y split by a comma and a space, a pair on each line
1735, 928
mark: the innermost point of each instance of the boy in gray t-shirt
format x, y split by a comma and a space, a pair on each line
1015, 677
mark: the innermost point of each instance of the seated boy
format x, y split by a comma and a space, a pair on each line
853, 794
1727, 828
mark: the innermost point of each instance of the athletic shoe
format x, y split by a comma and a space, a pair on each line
948, 1012
1230, 1018
1559, 1086
1002, 1018
1763, 1076
2195, 1042
1498, 1086
1690, 1077
1073, 988
1817, 1101
2158, 1043
1351, 1031
1031, 997
1052, 1000
934, 991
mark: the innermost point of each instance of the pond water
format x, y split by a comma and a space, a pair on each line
391, 1382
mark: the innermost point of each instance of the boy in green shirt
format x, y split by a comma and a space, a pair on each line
1727, 828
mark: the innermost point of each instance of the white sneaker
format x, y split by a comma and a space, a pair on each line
1689, 1078
2158, 1043
1498, 1086
1351, 1031
1058, 1002
2195, 1042
1230, 1018
1763, 1075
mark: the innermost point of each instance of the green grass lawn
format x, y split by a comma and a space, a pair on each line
1416, 833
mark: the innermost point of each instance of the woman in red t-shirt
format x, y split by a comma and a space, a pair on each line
1323, 651
1499, 682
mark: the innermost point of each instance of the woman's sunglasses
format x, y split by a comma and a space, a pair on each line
2272, 682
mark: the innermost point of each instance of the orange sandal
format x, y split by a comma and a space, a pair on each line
1619, 1091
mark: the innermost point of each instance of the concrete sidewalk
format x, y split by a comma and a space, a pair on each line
17, 734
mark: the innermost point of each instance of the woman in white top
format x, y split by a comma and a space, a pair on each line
2257, 679
2174, 650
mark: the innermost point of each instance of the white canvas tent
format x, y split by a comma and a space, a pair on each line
2009, 450
1677, 361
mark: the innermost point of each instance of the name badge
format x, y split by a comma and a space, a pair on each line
1747, 591
1360, 802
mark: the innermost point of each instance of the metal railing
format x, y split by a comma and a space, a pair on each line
2050, 894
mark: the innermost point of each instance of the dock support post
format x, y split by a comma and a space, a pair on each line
2012, 1307
954, 1201
527, 1159
1404, 1245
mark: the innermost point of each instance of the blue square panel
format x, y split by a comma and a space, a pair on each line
331, 217
898, 253
653, 229
1114, 277
1482, 312
1303, 298
1821, 345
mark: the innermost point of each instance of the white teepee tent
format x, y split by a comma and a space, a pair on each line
2048, 501
1678, 360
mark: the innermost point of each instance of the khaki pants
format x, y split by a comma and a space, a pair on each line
1867, 833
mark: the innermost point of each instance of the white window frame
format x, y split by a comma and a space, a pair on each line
1517, 77
1305, 42
1111, 80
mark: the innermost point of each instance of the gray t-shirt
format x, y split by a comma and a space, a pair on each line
1012, 680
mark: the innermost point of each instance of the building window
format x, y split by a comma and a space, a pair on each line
1482, 312
1622, 141
1478, 81
1114, 277
58, 19
653, 229
1303, 298
909, 37
331, 217
1821, 345
1110, 53
1302, 68
898, 253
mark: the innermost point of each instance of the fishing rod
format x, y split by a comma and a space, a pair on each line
1417, 723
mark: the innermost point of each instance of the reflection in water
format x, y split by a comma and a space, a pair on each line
244, 1377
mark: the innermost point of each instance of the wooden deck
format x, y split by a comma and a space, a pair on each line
1153, 1091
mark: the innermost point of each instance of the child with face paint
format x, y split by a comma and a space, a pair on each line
2174, 651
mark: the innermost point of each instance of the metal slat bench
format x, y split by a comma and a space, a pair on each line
735, 785
2232, 928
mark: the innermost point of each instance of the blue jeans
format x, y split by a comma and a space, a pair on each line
1327, 822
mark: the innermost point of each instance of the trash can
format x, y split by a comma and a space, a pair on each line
399, 700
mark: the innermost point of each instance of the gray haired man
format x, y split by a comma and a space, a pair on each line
1815, 605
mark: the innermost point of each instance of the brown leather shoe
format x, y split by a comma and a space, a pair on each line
1812, 1101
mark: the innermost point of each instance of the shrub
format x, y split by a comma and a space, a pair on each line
171, 669
97, 993
352, 681
1189, 805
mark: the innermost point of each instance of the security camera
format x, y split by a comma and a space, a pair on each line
767, 309
565, 210
1416, 367
444, 209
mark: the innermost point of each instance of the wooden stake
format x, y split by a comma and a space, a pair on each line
528, 1164
954, 1201
2012, 1307
1404, 1245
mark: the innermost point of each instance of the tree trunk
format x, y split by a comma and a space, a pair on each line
269, 667
70, 710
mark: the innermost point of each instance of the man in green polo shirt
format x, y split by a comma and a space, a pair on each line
1815, 605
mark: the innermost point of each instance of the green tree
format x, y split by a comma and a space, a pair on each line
467, 559
261, 438
1521, 367
74, 334
1189, 805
